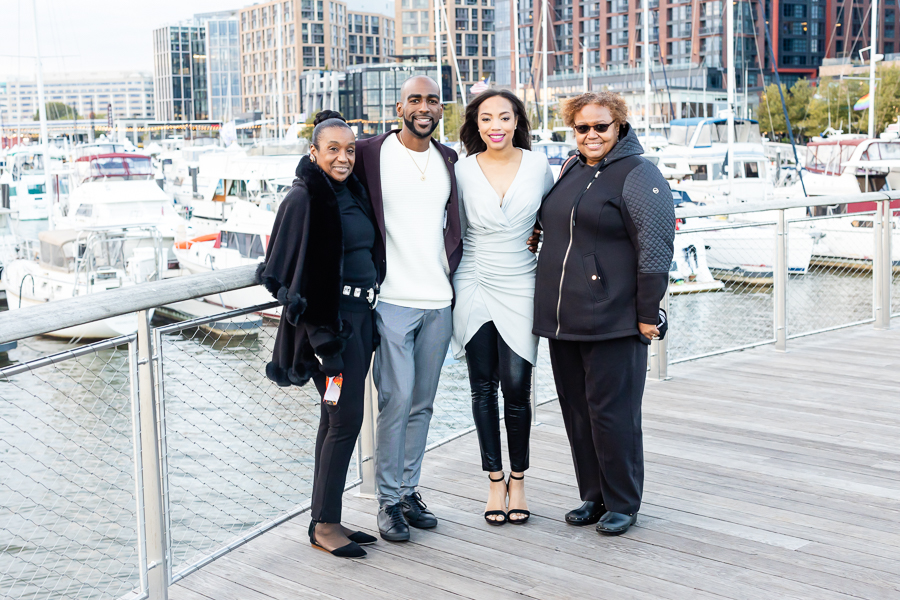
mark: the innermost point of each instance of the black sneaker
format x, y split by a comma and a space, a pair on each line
391, 524
416, 512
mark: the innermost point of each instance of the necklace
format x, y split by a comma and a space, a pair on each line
427, 158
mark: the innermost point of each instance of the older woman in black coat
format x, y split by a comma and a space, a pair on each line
608, 231
321, 265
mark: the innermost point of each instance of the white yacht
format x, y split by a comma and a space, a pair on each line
70, 262
27, 182
242, 241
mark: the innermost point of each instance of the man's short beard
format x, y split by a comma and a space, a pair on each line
411, 125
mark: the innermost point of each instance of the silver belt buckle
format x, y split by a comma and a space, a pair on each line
372, 298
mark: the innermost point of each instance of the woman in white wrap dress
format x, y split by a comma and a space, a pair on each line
501, 184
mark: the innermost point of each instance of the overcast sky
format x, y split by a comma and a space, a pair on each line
90, 35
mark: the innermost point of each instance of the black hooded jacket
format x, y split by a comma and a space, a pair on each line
303, 271
604, 263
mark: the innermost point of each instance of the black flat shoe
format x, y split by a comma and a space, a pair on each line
363, 539
586, 514
517, 511
615, 523
495, 513
351, 550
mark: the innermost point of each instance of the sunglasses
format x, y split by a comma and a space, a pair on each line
599, 128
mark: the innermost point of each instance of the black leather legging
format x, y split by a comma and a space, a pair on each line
492, 362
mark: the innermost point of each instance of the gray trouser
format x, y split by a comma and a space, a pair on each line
406, 372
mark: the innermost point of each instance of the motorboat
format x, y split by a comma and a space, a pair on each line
227, 178
27, 182
117, 189
76, 262
850, 164
243, 240
698, 149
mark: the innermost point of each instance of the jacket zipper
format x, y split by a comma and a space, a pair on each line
562, 275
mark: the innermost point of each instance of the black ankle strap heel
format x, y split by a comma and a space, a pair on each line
495, 513
525, 515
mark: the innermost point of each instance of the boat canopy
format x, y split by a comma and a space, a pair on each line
701, 132
56, 248
117, 165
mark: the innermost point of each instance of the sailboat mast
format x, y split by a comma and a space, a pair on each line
729, 43
647, 69
872, 56
42, 111
544, 15
279, 58
515, 24
437, 55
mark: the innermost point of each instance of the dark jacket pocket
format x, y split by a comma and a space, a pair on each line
595, 280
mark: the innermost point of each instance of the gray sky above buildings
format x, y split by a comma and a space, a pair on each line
101, 35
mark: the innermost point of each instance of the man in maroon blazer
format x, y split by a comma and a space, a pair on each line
412, 186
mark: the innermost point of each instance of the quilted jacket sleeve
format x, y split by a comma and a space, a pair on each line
648, 204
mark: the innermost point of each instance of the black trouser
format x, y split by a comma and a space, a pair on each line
339, 425
600, 386
492, 362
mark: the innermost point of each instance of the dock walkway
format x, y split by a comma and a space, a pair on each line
768, 476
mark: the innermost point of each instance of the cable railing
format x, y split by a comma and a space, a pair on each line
130, 463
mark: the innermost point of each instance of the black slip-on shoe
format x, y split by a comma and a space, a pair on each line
416, 512
392, 524
351, 550
363, 539
613, 523
586, 514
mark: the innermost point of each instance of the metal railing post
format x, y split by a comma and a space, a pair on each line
881, 265
779, 277
887, 250
659, 349
154, 522
365, 451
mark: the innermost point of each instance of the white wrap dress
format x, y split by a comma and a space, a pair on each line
495, 278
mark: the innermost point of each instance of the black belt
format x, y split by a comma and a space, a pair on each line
370, 295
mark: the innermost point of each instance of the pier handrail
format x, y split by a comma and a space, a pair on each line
712, 210
70, 312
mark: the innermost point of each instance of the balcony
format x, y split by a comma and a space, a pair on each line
619, 6
714, 29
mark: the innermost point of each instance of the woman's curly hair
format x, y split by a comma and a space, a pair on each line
611, 100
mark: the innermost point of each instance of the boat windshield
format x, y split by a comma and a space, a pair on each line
249, 245
882, 151
556, 153
29, 164
125, 167
98, 149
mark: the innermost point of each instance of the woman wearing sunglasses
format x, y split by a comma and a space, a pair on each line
608, 230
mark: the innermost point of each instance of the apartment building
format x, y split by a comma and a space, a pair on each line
370, 38
849, 22
468, 33
196, 68
314, 35
129, 94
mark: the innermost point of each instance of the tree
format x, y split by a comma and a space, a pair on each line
453, 120
57, 111
887, 97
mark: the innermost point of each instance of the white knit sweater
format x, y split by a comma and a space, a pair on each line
418, 275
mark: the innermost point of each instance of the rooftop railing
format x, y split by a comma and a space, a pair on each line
130, 463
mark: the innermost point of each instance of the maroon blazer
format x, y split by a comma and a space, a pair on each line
368, 170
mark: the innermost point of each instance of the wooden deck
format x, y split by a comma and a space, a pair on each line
767, 476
